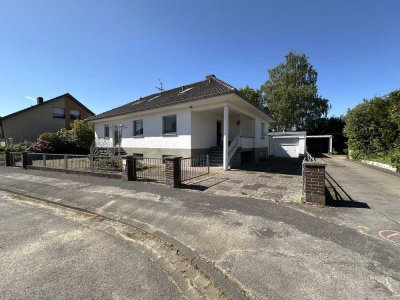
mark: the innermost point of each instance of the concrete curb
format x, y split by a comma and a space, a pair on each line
375, 167
228, 285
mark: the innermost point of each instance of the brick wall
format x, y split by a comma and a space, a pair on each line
314, 182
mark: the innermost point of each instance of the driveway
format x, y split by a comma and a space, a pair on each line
276, 179
363, 197
257, 247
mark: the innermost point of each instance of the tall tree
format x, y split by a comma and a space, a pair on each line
252, 95
291, 93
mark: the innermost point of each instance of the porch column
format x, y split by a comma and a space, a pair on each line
226, 138
330, 145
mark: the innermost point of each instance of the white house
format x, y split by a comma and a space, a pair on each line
208, 116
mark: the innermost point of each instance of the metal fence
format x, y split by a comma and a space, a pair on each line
193, 167
15, 159
150, 168
2, 158
83, 163
307, 158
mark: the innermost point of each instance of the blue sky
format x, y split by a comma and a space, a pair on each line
107, 53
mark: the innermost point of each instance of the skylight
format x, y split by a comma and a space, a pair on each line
184, 91
155, 97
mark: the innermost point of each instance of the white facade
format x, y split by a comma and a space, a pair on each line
152, 132
227, 121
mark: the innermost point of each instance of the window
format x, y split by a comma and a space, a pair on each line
58, 113
169, 124
138, 128
138, 155
262, 130
74, 114
106, 130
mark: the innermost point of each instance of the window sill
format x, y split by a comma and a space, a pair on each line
138, 136
170, 134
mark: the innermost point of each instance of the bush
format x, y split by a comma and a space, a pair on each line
111, 164
41, 146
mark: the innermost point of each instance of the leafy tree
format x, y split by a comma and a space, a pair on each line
372, 127
81, 134
252, 95
291, 93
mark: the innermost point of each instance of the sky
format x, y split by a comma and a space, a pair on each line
108, 53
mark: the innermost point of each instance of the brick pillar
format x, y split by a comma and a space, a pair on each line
8, 159
314, 182
129, 173
173, 171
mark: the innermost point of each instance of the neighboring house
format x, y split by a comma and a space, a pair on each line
287, 144
45, 116
208, 116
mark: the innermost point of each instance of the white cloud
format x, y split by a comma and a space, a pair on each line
30, 98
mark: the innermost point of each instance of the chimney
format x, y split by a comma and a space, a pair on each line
39, 100
210, 77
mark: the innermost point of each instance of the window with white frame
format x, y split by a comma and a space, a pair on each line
169, 124
262, 130
106, 131
138, 128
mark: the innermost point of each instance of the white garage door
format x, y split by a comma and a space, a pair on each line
287, 147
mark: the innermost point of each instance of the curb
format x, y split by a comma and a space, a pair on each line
229, 286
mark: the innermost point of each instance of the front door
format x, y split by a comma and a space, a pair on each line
117, 137
219, 133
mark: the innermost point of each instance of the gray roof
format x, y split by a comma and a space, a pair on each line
210, 87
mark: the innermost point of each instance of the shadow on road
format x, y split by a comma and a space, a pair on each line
336, 196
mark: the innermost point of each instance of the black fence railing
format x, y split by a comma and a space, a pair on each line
15, 159
150, 168
83, 163
193, 167
146, 168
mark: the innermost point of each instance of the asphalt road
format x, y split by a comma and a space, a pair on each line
363, 197
272, 251
49, 252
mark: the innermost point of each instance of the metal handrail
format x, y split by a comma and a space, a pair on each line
233, 147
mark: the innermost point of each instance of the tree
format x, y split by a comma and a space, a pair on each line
291, 93
372, 128
252, 95
81, 133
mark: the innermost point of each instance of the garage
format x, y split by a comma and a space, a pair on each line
287, 144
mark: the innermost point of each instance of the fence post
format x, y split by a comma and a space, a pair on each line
44, 159
173, 171
8, 159
314, 182
91, 163
208, 164
26, 161
128, 172
134, 168
66, 161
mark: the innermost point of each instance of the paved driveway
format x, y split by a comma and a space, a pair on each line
277, 179
364, 197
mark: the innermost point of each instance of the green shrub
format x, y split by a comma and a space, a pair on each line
112, 164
